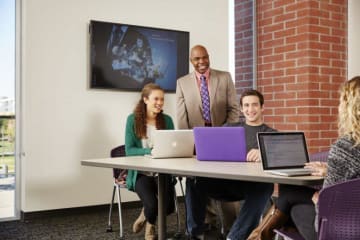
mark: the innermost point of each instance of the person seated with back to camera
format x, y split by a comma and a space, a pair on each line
140, 126
298, 203
255, 194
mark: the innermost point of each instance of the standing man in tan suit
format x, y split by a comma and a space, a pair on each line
223, 104
223, 108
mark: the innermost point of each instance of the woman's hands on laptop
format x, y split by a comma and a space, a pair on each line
317, 168
253, 155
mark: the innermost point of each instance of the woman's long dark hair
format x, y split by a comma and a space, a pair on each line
140, 112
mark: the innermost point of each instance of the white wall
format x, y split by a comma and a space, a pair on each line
353, 38
65, 122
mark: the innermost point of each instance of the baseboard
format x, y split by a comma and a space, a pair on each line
27, 216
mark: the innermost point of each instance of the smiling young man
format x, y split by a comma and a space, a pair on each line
254, 194
252, 106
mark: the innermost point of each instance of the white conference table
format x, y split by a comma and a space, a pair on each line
246, 171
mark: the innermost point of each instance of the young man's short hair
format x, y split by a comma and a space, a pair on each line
252, 92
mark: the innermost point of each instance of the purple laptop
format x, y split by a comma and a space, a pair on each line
220, 144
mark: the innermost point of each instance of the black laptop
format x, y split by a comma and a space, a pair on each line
283, 153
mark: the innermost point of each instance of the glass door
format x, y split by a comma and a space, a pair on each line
8, 206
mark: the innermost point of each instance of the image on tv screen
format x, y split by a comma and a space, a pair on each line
127, 57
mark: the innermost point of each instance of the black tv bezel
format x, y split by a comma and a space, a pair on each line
98, 59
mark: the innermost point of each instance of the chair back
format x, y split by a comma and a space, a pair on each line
320, 156
339, 211
119, 151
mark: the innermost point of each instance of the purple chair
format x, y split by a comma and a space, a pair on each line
320, 156
339, 213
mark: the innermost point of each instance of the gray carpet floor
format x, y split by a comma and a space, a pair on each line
88, 226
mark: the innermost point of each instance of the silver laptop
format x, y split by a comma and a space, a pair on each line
283, 153
173, 144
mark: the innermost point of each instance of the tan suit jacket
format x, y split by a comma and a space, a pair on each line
223, 103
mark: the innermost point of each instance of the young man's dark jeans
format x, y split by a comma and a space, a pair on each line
254, 194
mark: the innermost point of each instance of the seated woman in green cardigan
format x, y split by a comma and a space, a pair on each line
140, 126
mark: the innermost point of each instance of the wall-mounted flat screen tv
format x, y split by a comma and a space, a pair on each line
126, 57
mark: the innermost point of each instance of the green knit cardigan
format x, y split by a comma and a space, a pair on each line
133, 146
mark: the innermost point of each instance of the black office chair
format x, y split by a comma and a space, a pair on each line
117, 173
120, 174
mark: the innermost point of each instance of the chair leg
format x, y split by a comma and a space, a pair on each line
277, 237
183, 194
109, 227
220, 215
120, 212
178, 232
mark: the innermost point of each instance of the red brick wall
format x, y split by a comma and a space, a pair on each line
301, 61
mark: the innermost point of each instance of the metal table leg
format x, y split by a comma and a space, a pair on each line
161, 207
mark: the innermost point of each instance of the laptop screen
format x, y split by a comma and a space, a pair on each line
280, 150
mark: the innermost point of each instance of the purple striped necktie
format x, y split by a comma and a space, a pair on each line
205, 99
